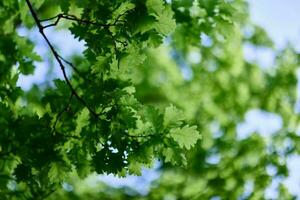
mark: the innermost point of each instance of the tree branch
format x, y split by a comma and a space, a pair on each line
74, 18
139, 136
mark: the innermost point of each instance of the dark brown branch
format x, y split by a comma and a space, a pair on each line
56, 55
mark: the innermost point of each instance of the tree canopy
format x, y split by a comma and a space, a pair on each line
158, 81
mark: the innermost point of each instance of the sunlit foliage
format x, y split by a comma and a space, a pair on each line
158, 80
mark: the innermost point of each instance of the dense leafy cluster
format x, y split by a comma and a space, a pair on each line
136, 95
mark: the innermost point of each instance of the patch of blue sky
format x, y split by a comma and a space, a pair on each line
264, 57
65, 44
259, 121
279, 18
139, 183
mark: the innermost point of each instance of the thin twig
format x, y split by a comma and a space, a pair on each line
74, 18
55, 23
51, 18
139, 136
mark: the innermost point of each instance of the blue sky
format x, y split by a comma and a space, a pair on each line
281, 19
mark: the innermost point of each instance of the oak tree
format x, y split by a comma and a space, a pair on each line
158, 80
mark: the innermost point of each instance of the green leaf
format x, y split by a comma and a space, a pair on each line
144, 24
101, 66
38, 3
82, 120
26, 68
174, 156
57, 172
122, 9
186, 137
155, 6
131, 59
172, 116
64, 5
8, 25
196, 10
154, 117
135, 168
166, 24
